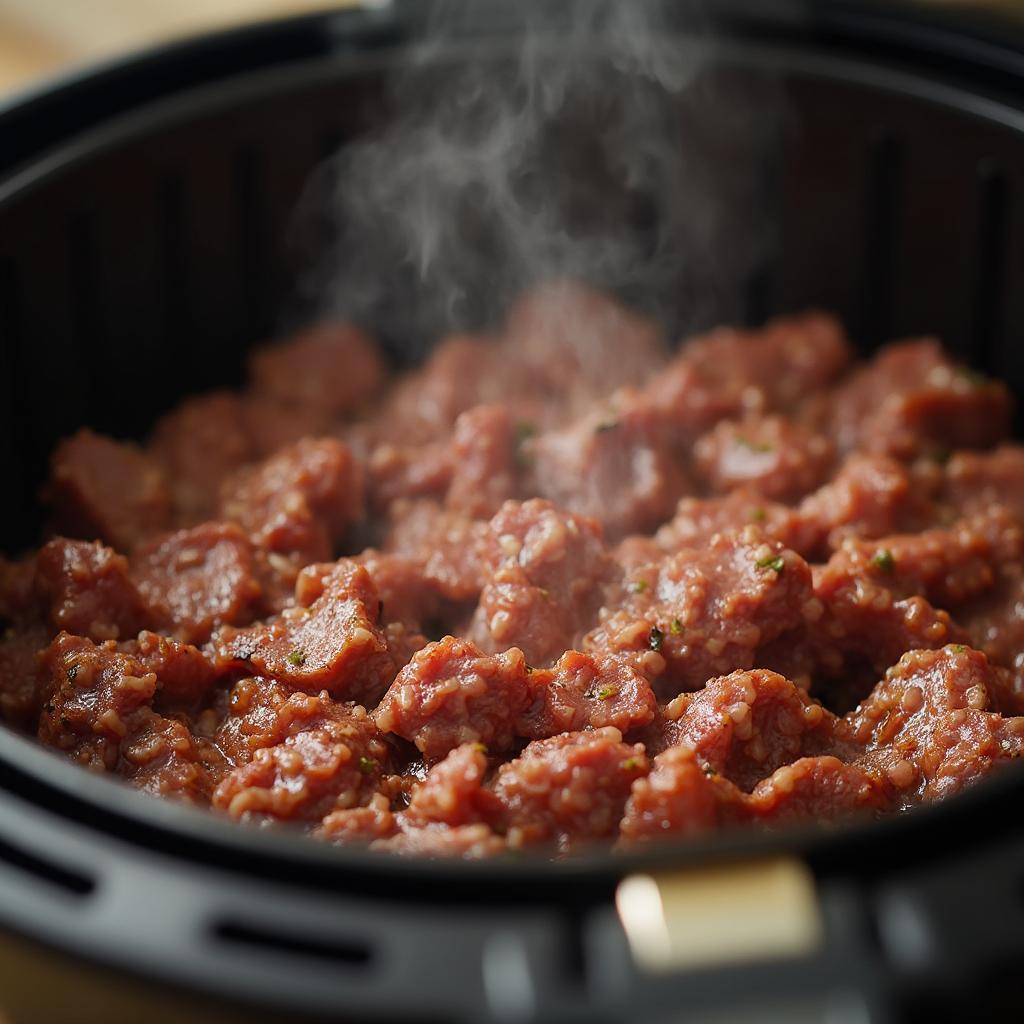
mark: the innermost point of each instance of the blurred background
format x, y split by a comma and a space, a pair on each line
42, 37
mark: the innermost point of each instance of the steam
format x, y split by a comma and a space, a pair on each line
603, 147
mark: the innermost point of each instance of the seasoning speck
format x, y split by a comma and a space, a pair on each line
758, 515
605, 692
296, 657
675, 627
657, 638
367, 765
630, 764
638, 586
774, 562
754, 446
72, 672
605, 425
883, 560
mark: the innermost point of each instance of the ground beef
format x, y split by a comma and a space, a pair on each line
301, 500
88, 590
330, 639
334, 764
485, 457
196, 580
617, 464
452, 693
327, 372
546, 571
107, 490
587, 692
569, 789
199, 445
929, 725
769, 454
592, 592
706, 612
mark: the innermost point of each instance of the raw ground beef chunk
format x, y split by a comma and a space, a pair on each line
452, 693
557, 586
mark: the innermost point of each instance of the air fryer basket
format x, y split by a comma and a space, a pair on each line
143, 213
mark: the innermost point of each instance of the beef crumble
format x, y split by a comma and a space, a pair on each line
557, 587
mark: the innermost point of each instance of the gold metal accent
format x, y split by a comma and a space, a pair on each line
722, 915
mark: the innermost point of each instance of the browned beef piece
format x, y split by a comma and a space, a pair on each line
332, 763
679, 798
706, 612
570, 789
485, 466
572, 344
451, 693
184, 674
328, 372
619, 464
546, 571
770, 455
928, 725
195, 580
97, 710
747, 724
199, 445
912, 400
453, 792
822, 789
101, 489
584, 691
88, 590
330, 639
301, 500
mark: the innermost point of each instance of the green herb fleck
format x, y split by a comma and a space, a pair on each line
72, 672
758, 515
546, 594
296, 657
605, 692
940, 455
958, 648
754, 446
883, 560
708, 770
8, 634
774, 562
675, 627
656, 639
605, 425
638, 586
529, 669
50, 708
367, 765
631, 764
524, 431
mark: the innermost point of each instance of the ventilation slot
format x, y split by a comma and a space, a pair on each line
325, 950
173, 230
54, 875
885, 166
990, 279
82, 265
253, 243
